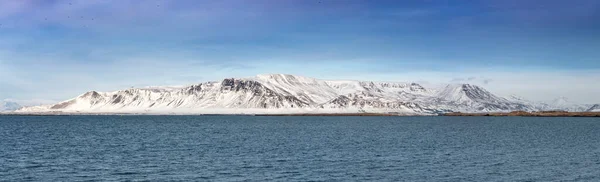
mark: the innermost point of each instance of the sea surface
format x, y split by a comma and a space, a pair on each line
262, 148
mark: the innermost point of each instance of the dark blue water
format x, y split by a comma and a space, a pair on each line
238, 148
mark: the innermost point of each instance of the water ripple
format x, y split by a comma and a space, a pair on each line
241, 148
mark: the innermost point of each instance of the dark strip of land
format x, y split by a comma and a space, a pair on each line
530, 114
331, 114
515, 113
136, 114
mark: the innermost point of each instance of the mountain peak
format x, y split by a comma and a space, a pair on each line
562, 101
275, 75
286, 79
467, 93
283, 77
462, 87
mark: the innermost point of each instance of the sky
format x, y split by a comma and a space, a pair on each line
538, 49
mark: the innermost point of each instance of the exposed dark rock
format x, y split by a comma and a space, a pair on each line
63, 105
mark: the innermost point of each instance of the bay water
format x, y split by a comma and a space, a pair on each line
263, 148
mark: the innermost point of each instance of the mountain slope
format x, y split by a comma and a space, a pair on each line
472, 98
280, 93
594, 108
9, 106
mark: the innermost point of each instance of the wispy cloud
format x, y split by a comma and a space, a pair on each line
487, 81
471, 79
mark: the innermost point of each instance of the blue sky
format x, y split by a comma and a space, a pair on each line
55, 49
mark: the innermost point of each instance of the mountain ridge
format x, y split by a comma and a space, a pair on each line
283, 94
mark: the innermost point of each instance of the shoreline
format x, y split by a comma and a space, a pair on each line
454, 114
190, 114
529, 114
337, 114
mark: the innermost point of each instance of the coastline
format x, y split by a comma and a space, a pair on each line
529, 114
192, 114
338, 114
454, 114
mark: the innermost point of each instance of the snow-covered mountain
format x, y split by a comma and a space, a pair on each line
594, 108
280, 93
563, 103
9, 106
558, 104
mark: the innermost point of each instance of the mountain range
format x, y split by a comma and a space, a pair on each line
282, 94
